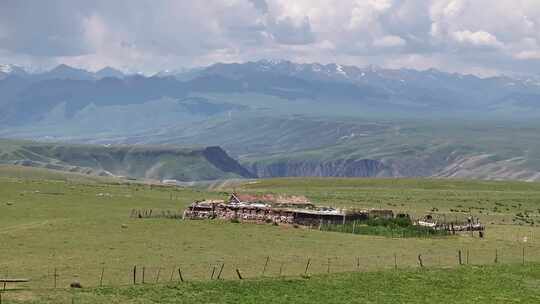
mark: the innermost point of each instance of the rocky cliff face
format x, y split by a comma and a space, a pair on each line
337, 168
450, 166
221, 160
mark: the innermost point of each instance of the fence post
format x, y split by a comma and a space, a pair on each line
420, 261
328, 268
523, 255
180, 275
467, 257
172, 274
220, 271
143, 273
55, 277
307, 266
459, 257
157, 276
237, 272
101, 277
265, 265
213, 272
395, 261
281, 269
496, 256
134, 274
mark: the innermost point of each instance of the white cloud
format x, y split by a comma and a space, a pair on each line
528, 55
454, 8
489, 35
389, 41
478, 38
366, 12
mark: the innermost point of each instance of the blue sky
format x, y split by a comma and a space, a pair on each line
483, 37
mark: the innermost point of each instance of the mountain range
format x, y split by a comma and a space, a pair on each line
368, 90
281, 118
61, 71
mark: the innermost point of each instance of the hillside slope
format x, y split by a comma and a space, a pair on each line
148, 162
329, 146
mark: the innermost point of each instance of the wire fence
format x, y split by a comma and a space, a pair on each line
240, 268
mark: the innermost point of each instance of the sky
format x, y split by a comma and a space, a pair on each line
482, 37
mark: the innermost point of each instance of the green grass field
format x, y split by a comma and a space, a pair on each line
50, 220
491, 284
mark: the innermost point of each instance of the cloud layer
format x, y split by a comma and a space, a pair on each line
473, 36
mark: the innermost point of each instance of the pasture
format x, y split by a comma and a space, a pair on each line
469, 284
80, 229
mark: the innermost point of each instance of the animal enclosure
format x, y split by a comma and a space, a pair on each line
266, 209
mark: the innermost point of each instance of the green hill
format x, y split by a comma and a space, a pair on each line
145, 162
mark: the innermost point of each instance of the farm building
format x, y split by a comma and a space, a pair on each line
470, 225
277, 209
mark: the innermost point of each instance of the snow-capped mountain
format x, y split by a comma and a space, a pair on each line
425, 86
11, 69
371, 88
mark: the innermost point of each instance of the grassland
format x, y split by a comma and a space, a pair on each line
492, 284
81, 228
494, 202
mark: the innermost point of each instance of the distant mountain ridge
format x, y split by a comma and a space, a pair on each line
419, 90
281, 118
27, 102
62, 71
30, 98
10, 69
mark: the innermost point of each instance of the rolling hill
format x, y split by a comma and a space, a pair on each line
144, 162
307, 146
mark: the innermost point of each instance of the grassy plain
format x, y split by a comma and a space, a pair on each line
469, 284
83, 227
